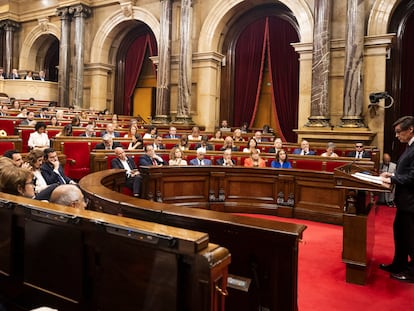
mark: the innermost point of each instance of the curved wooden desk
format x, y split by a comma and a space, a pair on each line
263, 251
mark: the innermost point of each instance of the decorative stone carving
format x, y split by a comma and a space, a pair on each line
44, 24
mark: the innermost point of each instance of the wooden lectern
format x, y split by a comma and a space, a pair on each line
358, 218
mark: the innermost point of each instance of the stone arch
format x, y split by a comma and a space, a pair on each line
33, 43
380, 16
216, 22
106, 34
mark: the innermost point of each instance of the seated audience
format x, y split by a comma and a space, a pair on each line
254, 160
29, 120
110, 130
330, 150
41, 76
132, 131
43, 113
54, 121
17, 181
218, 136
66, 131
172, 133
304, 149
229, 144
157, 143
224, 127
69, 195
277, 145
15, 104
200, 160
258, 137
39, 139
151, 133
183, 143
281, 160
195, 134
2, 74
237, 135
89, 131
14, 74
76, 121
176, 157
29, 76
133, 177
359, 152
251, 145
52, 170
107, 143
150, 158
35, 160
136, 142
226, 160
204, 144
244, 128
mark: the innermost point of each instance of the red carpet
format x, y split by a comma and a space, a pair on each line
321, 283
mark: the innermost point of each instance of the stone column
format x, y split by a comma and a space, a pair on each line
354, 57
80, 13
9, 27
320, 65
64, 56
162, 110
185, 65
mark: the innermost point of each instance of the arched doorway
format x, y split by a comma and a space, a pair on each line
135, 76
400, 73
260, 82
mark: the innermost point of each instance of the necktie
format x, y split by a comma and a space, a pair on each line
154, 162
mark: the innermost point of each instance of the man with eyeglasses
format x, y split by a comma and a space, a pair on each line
403, 179
359, 152
69, 195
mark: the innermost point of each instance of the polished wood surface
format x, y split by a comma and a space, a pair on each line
263, 251
71, 259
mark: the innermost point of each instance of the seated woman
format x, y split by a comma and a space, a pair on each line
237, 135
229, 144
330, 148
132, 131
66, 131
152, 132
218, 136
195, 134
39, 139
176, 157
54, 121
281, 160
204, 144
17, 181
255, 160
251, 145
183, 143
136, 142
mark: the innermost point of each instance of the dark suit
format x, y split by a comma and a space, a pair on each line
159, 147
299, 151
403, 180
132, 182
116, 134
208, 146
365, 154
168, 136
51, 177
221, 161
146, 160
101, 146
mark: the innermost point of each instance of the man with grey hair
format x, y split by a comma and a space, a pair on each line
68, 195
108, 143
89, 131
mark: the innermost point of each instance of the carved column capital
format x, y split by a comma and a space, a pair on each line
63, 13
9, 25
80, 10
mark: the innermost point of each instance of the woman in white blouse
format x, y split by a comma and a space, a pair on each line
35, 159
176, 157
39, 139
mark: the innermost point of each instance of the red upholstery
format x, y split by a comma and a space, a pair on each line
6, 145
331, 165
77, 159
314, 165
8, 126
24, 135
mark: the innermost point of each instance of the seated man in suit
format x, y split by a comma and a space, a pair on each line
199, 160
258, 137
226, 160
52, 170
204, 144
277, 145
172, 134
107, 143
359, 152
304, 149
110, 130
133, 178
157, 144
150, 158
68, 195
89, 131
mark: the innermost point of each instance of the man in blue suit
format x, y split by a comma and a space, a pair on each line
199, 160
304, 149
150, 158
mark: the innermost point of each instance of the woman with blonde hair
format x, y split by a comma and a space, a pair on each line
254, 160
176, 157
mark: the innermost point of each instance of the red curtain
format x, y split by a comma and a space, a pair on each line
272, 35
133, 65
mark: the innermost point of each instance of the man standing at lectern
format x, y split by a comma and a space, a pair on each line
403, 179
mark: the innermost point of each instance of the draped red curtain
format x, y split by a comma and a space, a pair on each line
270, 36
133, 65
